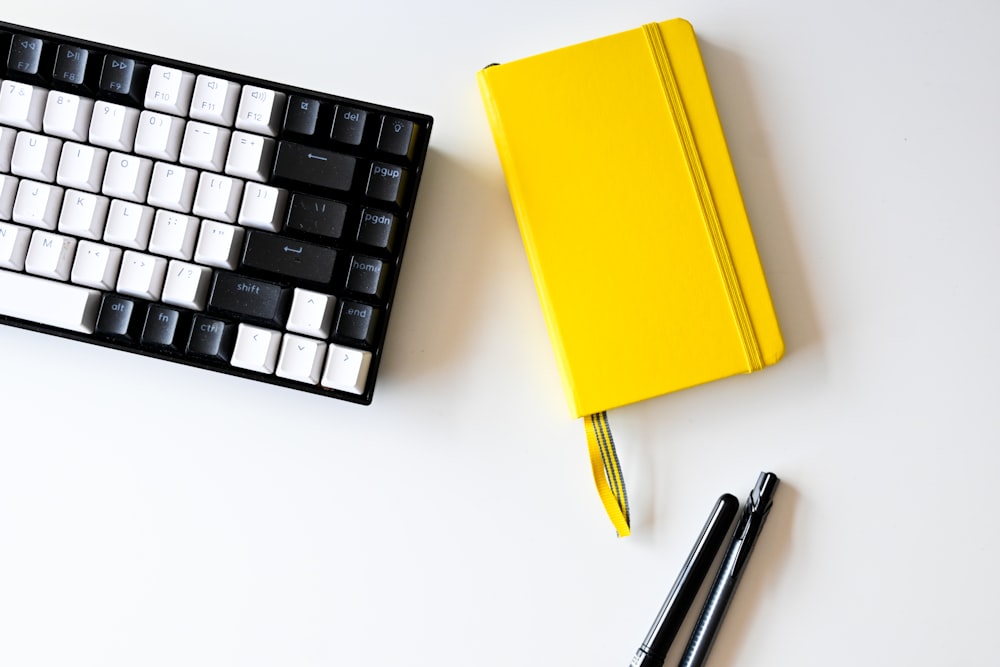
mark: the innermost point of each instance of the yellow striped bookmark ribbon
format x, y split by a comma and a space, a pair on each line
607, 471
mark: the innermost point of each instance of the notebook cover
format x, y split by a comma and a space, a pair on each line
631, 216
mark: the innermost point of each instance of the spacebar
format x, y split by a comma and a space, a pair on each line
48, 302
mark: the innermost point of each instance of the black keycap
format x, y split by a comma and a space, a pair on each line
25, 56
316, 215
123, 78
315, 166
386, 182
397, 136
348, 125
115, 318
288, 257
71, 65
357, 321
241, 296
211, 338
301, 115
378, 229
162, 329
367, 275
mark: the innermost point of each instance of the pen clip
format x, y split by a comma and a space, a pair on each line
754, 513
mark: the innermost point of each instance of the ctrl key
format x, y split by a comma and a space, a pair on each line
211, 339
346, 369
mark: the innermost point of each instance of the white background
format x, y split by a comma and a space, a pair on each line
152, 514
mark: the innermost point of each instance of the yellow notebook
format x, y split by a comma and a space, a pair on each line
631, 216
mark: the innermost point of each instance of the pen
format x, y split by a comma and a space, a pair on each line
744, 537
653, 650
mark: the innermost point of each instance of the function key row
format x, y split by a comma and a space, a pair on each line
201, 97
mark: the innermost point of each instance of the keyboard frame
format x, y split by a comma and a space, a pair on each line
415, 169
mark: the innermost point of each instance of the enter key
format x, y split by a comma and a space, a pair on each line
283, 256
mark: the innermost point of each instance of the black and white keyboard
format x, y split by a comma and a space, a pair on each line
201, 216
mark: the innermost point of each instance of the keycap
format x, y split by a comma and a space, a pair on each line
162, 329
70, 66
386, 182
115, 318
378, 229
317, 215
315, 166
256, 348
397, 136
211, 338
181, 212
346, 368
288, 257
349, 124
123, 78
56, 304
357, 321
238, 295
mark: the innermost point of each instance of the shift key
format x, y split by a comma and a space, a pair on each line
242, 296
315, 166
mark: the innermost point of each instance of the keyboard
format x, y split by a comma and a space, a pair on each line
200, 216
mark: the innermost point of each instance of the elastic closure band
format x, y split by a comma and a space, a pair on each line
668, 83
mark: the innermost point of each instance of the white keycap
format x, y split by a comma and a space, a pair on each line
68, 116
204, 146
215, 100
83, 214
250, 156
37, 204
22, 106
256, 348
174, 235
311, 313
172, 186
50, 255
142, 275
127, 177
301, 359
114, 126
159, 136
35, 156
96, 265
8, 136
81, 167
48, 302
218, 197
263, 207
129, 224
186, 285
346, 369
260, 111
219, 244
13, 245
8, 193
169, 90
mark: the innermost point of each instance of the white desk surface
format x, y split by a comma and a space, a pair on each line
152, 514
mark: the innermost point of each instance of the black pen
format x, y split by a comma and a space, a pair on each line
653, 650
745, 536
